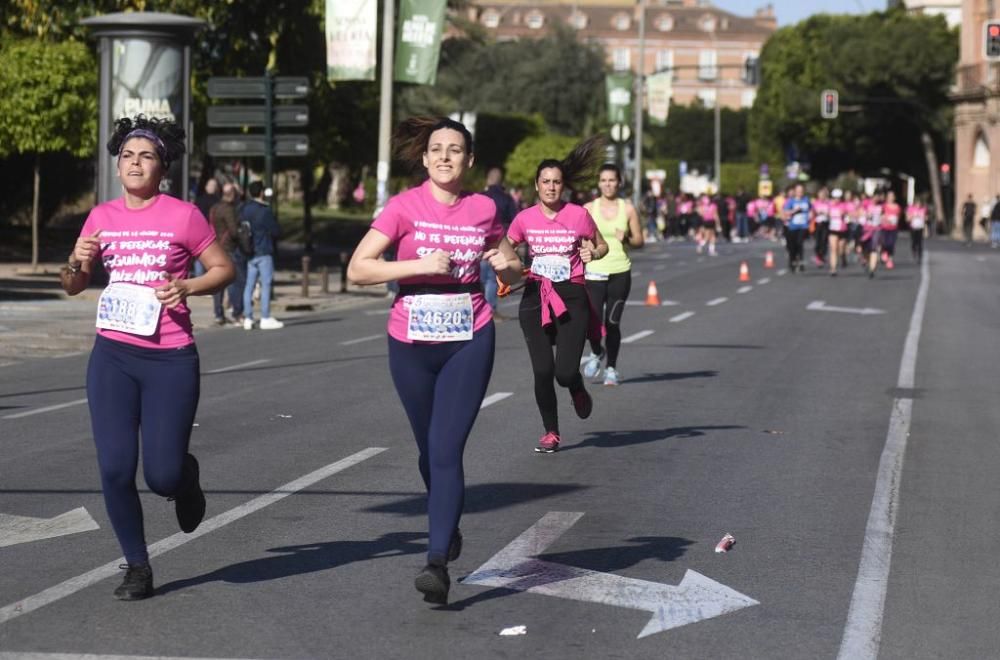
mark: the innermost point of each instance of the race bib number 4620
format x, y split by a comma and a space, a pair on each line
129, 308
440, 317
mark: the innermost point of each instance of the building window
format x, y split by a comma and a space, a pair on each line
748, 97
491, 18
707, 23
622, 59
981, 152
665, 60
534, 20
621, 21
664, 22
578, 20
707, 60
707, 97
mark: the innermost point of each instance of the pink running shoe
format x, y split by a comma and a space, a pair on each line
888, 263
582, 404
548, 444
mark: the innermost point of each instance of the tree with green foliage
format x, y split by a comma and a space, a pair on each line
524, 160
690, 136
48, 103
893, 72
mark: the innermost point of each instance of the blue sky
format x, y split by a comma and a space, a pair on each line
793, 11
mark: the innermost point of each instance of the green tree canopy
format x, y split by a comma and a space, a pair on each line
690, 136
892, 70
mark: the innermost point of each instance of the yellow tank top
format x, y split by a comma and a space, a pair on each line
616, 260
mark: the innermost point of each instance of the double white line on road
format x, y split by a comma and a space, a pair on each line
863, 632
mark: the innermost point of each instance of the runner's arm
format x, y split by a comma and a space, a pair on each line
75, 275
504, 261
635, 238
219, 272
368, 267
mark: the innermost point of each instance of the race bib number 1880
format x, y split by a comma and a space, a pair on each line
440, 317
129, 308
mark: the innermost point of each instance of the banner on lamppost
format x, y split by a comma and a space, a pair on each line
619, 88
351, 31
659, 91
418, 43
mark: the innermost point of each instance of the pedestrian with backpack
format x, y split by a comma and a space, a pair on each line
257, 220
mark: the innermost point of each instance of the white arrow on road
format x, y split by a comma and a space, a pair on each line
821, 306
696, 598
24, 529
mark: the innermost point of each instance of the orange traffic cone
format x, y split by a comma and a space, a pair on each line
744, 272
652, 297
769, 260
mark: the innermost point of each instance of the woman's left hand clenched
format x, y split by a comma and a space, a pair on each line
587, 250
173, 292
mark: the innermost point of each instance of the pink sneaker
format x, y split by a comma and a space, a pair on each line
888, 264
582, 404
548, 444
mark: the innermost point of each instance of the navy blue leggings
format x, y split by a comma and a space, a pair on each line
441, 387
130, 388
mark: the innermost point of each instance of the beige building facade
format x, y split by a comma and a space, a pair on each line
705, 48
977, 117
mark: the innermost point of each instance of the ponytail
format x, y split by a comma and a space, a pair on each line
412, 135
578, 167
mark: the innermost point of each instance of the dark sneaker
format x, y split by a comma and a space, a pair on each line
582, 404
549, 444
138, 582
189, 504
433, 582
455, 547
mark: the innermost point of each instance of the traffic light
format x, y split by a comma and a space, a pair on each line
945, 174
991, 40
829, 104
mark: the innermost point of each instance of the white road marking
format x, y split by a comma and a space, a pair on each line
75, 584
695, 599
716, 301
782, 271
640, 303
637, 336
4, 655
361, 340
681, 317
659, 267
744, 289
238, 366
763, 280
636, 273
378, 312
38, 411
496, 397
863, 631
24, 529
821, 306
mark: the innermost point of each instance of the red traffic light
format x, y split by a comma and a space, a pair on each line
945, 167
994, 30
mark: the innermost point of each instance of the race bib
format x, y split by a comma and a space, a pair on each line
917, 222
440, 317
551, 266
596, 277
129, 308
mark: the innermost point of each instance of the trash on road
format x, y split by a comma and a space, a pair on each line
284, 416
773, 432
514, 630
726, 543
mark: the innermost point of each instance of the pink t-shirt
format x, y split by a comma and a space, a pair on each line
707, 209
418, 224
560, 235
822, 209
139, 245
890, 216
838, 216
916, 215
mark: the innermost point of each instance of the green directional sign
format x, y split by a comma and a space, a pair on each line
238, 146
285, 87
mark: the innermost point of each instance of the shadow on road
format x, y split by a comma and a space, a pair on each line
615, 439
483, 497
680, 375
309, 558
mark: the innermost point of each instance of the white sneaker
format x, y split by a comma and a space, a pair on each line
271, 323
592, 366
611, 376
248, 324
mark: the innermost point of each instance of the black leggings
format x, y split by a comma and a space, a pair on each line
822, 238
567, 334
609, 297
794, 238
917, 243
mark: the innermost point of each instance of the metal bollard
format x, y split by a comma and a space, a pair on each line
305, 276
324, 281
344, 258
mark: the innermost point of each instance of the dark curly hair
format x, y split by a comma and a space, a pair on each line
165, 134
412, 135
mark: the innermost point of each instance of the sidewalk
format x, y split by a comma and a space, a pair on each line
38, 319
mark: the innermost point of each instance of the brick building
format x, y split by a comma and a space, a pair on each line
706, 47
977, 115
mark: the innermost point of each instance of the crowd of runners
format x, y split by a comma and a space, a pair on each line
575, 273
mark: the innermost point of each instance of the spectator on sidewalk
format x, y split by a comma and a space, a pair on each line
995, 223
208, 198
223, 218
265, 231
968, 217
506, 210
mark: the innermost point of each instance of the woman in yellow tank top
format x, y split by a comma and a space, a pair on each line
609, 279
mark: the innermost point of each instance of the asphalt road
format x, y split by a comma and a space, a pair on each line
851, 455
